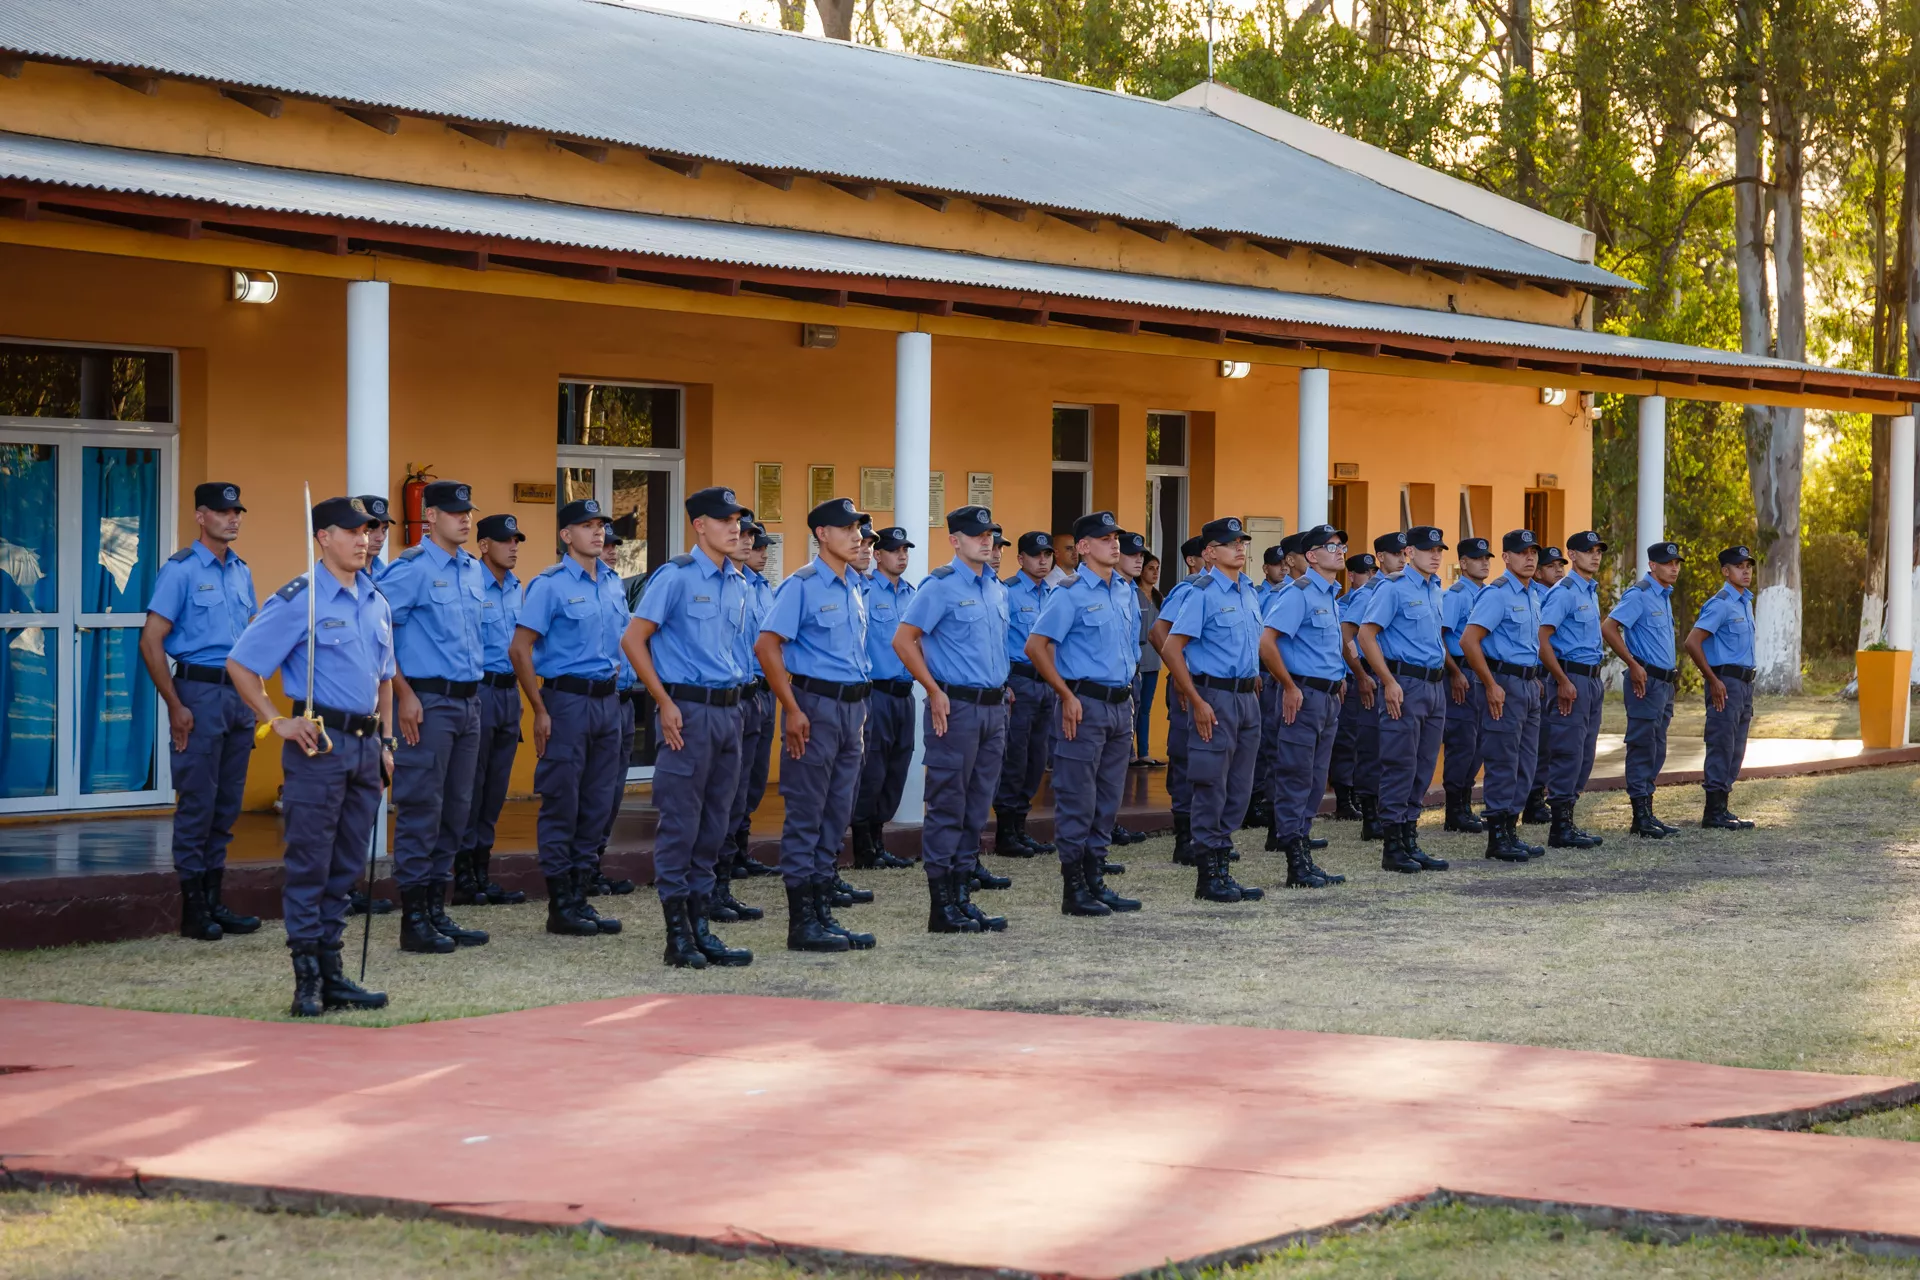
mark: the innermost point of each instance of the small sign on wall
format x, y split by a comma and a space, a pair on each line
776, 558
766, 492
820, 485
533, 491
980, 489
876, 488
936, 499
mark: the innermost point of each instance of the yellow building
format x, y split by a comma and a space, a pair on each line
555, 248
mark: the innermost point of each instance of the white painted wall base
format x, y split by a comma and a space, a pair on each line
1776, 639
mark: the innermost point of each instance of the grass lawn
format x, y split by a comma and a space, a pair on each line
45, 1236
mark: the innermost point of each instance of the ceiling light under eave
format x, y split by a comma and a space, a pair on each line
255, 286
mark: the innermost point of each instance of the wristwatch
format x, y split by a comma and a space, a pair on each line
391, 744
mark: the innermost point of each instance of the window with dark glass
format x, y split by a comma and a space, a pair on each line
1166, 439
615, 416
93, 384
1073, 435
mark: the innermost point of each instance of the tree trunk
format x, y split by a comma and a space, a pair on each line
1522, 108
793, 15
836, 18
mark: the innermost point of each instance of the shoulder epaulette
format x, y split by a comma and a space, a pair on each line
1069, 580
805, 571
184, 553
944, 571
411, 553
551, 569
293, 589
684, 559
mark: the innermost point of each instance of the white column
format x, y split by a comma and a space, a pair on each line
912, 466
1900, 535
1313, 448
367, 468
1652, 490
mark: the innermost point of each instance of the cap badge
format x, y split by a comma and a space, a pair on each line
461, 493
1106, 520
358, 506
1233, 526
846, 504
591, 506
512, 526
230, 493
726, 496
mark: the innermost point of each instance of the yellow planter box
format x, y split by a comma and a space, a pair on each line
1883, 695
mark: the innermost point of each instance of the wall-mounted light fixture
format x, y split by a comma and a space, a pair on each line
1235, 368
1553, 395
255, 286
823, 337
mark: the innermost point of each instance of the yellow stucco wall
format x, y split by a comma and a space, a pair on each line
474, 379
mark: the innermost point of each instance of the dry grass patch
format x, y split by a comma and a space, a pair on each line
1796, 716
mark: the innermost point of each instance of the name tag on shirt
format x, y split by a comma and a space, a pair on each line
333, 622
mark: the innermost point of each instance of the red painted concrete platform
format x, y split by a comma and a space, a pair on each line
934, 1139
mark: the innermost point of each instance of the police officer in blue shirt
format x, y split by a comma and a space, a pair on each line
1277, 569
813, 648
1133, 558
1502, 644
888, 748
202, 601
334, 752
1721, 645
1197, 557
1302, 648
953, 640
566, 655
757, 720
1030, 720
630, 693
1548, 571
499, 553
684, 644
1570, 717
1400, 635
437, 593
1461, 738
1390, 559
1084, 647
377, 562
1640, 630
1213, 658
1341, 771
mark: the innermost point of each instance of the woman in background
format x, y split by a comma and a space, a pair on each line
1147, 679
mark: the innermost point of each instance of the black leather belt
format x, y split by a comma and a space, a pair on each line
1025, 670
1517, 671
1665, 675
1432, 675
1231, 684
582, 685
444, 687
1727, 671
1315, 682
898, 688
727, 697
758, 685
1109, 693
1589, 669
854, 692
979, 695
633, 693
346, 721
498, 679
200, 675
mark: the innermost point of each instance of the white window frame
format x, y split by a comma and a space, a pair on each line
1084, 468
1172, 566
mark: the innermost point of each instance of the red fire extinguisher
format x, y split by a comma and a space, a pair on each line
413, 495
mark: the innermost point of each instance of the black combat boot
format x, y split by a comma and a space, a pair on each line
1211, 883
468, 891
1502, 844
230, 921
1259, 811
1039, 845
306, 977
605, 924
746, 866
1410, 847
681, 951
881, 858
944, 914
846, 895
863, 854
1658, 821
601, 884
563, 913
1124, 836
1183, 841
195, 923
437, 912
1393, 852
1536, 814
1077, 897
359, 904
1306, 851
1513, 832
1645, 825
1371, 828
1563, 834
1301, 873
1247, 892
980, 878
1097, 885
494, 893
1460, 814
695, 909
337, 990
1008, 841
823, 905
964, 899
1109, 867
417, 933
804, 930
1717, 815
722, 906
1276, 843
1346, 803
1313, 841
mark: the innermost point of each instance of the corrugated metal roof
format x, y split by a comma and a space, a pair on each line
753, 96
263, 188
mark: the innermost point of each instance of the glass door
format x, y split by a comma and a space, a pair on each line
85, 521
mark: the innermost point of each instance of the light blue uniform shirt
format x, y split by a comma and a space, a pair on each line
1307, 621
1727, 618
579, 620
1221, 620
438, 603
1645, 614
1510, 611
377, 567
1406, 608
1353, 605
887, 605
499, 615
1025, 599
759, 600
209, 601
823, 620
352, 649
1094, 626
1454, 607
1572, 609
700, 608
964, 618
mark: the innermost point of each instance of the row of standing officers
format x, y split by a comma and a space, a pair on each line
1271, 688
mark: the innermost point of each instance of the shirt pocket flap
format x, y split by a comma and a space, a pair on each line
577, 607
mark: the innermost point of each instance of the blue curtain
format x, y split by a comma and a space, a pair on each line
119, 556
29, 528
29, 723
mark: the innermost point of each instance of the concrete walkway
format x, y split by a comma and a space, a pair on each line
923, 1138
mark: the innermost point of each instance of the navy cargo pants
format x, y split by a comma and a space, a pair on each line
1647, 721
1409, 747
1511, 744
818, 787
1571, 738
1089, 773
433, 789
1221, 766
693, 788
1726, 734
1462, 737
576, 778
1303, 752
330, 803
493, 762
1179, 728
757, 723
963, 770
210, 776
1030, 723
886, 755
